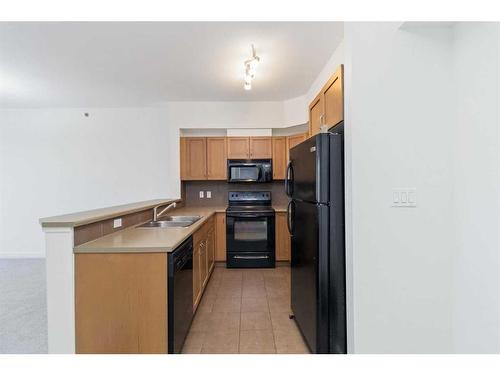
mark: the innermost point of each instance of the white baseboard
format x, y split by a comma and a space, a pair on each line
22, 256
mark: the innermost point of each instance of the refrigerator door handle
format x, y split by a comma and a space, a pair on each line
289, 216
289, 180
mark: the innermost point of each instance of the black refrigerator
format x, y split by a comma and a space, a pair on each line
315, 186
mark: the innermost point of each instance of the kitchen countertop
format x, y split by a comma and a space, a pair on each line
148, 240
86, 217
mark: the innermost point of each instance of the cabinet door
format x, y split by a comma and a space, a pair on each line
282, 238
279, 158
183, 157
203, 264
238, 147
196, 276
196, 155
292, 141
220, 237
261, 148
333, 94
316, 112
211, 250
216, 158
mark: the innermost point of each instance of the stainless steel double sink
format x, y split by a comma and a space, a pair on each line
172, 221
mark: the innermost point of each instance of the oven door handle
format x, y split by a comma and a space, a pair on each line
251, 257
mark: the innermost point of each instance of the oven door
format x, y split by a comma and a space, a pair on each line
250, 232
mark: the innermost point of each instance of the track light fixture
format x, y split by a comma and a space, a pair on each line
250, 69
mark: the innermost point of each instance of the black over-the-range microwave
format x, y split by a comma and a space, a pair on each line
255, 170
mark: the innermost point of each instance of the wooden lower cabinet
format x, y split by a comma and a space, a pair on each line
211, 249
220, 237
203, 264
283, 241
196, 275
121, 299
114, 293
203, 258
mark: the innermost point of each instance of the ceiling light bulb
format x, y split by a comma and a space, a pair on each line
250, 71
247, 86
253, 63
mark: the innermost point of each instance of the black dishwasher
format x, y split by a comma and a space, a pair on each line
180, 295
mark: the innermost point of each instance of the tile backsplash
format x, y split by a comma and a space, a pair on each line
219, 191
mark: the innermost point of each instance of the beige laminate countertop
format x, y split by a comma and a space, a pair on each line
147, 240
86, 217
279, 208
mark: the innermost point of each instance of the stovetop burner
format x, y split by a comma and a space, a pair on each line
249, 201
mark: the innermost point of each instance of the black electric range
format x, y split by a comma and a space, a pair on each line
250, 230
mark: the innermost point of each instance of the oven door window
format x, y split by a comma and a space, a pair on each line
250, 230
244, 173
250, 234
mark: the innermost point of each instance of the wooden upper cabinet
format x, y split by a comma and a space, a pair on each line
316, 115
203, 158
261, 148
280, 152
183, 157
294, 140
328, 106
216, 158
334, 98
249, 148
238, 147
196, 154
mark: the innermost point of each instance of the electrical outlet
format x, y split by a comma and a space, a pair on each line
201, 194
404, 197
209, 194
117, 223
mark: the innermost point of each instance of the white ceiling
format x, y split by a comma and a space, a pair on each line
147, 64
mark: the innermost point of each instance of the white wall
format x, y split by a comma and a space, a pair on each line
225, 114
56, 161
476, 313
398, 123
330, 67
296, 110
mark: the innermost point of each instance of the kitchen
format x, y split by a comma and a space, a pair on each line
248, 232
226, 193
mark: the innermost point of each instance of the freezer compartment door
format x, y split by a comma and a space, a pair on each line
309, 273
307, 174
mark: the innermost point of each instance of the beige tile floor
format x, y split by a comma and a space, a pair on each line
245, 311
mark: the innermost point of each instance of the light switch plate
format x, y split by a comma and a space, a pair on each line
117, 223
209, 194
404, 197
201, 194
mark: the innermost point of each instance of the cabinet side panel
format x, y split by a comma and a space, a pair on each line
121, 303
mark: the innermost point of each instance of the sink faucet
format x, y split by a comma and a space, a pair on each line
157, 214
